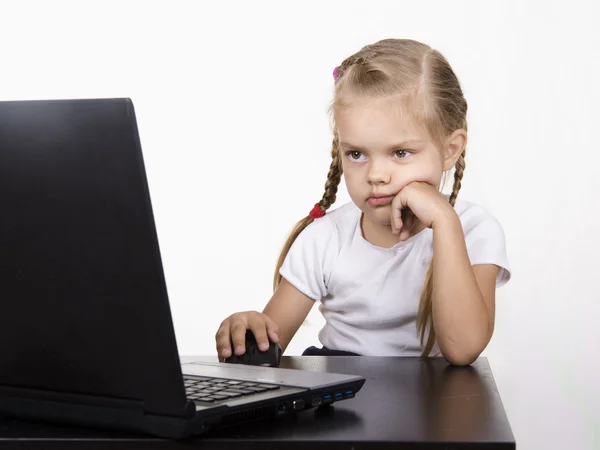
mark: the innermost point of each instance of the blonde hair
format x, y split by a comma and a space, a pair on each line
422, 78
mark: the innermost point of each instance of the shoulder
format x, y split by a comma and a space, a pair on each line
311, 257
336, 223
324, 237
345, 218
472, 216
484, 237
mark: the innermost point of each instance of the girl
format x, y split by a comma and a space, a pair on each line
401, 270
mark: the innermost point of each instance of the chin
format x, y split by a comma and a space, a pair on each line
379, 215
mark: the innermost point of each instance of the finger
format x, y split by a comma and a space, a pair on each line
223, 340
393, 217
238, 336
396, 212
397, 222
408, 223
259, 329
398, 219
272, 329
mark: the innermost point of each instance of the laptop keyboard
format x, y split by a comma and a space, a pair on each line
210, 390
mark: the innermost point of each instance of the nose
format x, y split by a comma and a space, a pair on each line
378, 173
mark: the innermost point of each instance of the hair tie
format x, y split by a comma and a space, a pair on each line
316, 212
335, 73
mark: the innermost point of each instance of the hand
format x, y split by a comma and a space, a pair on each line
420, 200
233, 331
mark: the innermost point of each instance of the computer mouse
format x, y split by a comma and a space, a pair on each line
254, 356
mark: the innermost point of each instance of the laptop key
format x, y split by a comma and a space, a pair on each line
219, 397
241, 391
230, 394
270, 387
195, 379
203, 392
256, 389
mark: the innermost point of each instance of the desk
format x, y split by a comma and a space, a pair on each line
406, 403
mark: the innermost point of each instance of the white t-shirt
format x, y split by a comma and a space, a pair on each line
370, 295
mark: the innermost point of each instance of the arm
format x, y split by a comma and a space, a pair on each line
306, 264
288, 308
463, 297
280, 320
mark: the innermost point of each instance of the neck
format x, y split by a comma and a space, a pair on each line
381, 235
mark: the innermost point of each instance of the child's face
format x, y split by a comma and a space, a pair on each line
382, 151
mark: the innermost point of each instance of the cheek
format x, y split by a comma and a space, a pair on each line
429, 172
351, 180
351, 173
355, 186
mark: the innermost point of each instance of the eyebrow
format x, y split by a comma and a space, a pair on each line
391, 147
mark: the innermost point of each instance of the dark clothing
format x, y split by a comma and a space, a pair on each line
314, 351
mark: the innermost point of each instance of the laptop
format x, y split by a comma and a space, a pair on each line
87, 336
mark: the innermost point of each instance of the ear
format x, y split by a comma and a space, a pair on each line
455, 145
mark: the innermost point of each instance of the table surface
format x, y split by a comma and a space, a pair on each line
404, 403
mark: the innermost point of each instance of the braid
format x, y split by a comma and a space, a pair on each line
334, 176
458, 174
425, 313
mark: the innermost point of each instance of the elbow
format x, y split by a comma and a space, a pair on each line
460, 360
463, 354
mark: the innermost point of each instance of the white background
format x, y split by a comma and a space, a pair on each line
231, 100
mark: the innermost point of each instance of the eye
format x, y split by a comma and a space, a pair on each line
354, 155
402, 154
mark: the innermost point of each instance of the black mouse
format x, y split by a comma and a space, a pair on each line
256, 357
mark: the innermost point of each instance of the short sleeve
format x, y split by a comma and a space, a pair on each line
486, 242
307, 265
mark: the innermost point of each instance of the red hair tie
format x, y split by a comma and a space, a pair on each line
316, 212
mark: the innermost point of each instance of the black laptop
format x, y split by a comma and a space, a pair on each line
87, 336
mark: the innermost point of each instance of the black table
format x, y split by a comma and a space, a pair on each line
406, 403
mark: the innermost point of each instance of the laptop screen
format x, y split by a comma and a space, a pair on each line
84, 302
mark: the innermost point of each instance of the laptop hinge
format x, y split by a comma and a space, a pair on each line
189, 409
72, 398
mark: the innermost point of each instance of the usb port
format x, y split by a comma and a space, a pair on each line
327, 399
348, 394
316, 401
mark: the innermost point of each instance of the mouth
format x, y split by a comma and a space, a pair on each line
380, 200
